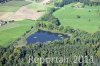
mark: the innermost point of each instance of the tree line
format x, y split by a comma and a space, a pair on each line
80, 43
4, 1
86, 2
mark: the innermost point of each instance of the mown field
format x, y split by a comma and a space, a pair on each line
12, 6
10, 32
87, 18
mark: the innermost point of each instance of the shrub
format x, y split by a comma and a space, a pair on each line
78, 16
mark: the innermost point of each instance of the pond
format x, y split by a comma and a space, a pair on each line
43, 36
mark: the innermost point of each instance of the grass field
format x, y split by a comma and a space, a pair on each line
87, 18
10, 32
12, 6
18, 10
36, 6
39, 6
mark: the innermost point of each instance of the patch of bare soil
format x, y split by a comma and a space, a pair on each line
5, 15
25, 13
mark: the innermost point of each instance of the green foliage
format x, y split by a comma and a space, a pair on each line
79, 18
61, 28
10, 32
12, 6
49, 49
79, 43
86, 2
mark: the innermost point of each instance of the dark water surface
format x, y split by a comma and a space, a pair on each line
43, 36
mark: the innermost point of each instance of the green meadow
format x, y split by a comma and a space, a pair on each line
36, 6
10, 32
12, 6
39, 6
87, 18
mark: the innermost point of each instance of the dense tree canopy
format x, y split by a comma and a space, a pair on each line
3, 1
86, 2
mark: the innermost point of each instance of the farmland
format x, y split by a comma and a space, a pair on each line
11, 32
9, 8
25, 9
12, 6
86, 18
24, 13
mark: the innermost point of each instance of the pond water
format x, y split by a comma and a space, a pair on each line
43, 36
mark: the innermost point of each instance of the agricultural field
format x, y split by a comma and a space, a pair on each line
19, 10
8, 9
40, 6
85, 18
12, 6
36, 6
24, 13
11, 32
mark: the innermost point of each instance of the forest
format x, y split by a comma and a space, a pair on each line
4, 1
81, 43
86, 2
